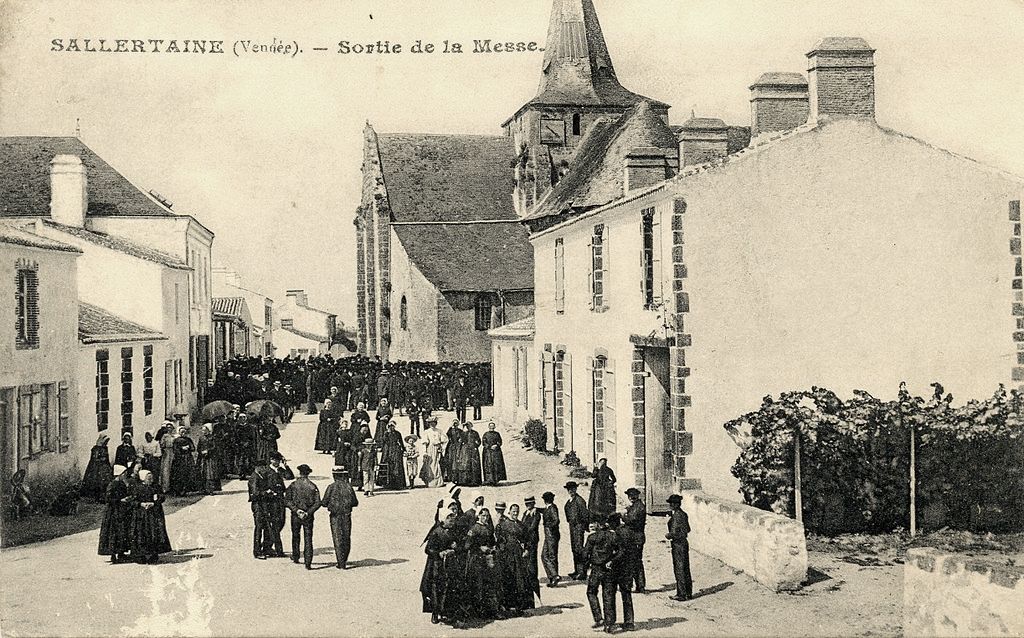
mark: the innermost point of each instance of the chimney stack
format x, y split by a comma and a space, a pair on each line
841, 71
778, 102
300, 297
703, 139
648, 165
69, 198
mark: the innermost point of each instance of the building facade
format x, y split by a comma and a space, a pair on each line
834, 253
233, 332
228, 283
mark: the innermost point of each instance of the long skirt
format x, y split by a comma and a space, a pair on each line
149, 532
115, 529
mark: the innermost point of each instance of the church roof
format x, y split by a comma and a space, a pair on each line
470, 257
595, 175
447, 177
25, 180
577, 68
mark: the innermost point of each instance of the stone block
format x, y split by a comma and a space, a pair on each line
639, 425
678, 208
637, 394
1014, 246
1018, 373
1018, 310
679, 271
1015, 210
684, 443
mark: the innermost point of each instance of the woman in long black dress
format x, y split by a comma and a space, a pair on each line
183, 467
602, 491
326, 431
125, 454
440, 546
455, 438
482, 576
267, 435
493, 459
467, 461
392, 454
148, 526
209, 460
510, 536
115, 528
98, 473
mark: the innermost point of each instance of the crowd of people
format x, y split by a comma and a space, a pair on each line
479, 568
412, 388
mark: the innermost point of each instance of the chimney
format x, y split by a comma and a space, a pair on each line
299, 296
648, 165
778, 102
69, 199
703, 139
841, 75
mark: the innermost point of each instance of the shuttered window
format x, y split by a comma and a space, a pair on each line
127, 382
102, 390
147, 379
63, 416
26, 306
559, 275
598, 268
651, 258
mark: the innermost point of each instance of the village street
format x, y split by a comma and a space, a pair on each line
211, 585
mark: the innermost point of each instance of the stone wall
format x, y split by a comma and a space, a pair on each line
769, 548
958, 595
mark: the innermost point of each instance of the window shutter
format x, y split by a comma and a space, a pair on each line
591, 439
656, 258
63, 415
606, 254
609, 406
32, 291
567, 400
24, 409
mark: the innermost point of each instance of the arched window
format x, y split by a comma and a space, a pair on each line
403, 314
577, 124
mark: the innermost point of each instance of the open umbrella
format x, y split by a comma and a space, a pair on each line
264, 408
215, 409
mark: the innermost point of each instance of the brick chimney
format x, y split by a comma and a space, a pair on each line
648, 165
703, 139
841, 75
69, 198
299, 296
778, 102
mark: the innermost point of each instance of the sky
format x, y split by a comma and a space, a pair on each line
265, 149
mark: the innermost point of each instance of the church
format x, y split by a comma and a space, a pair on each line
442, 253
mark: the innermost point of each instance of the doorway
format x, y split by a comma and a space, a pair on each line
658, 441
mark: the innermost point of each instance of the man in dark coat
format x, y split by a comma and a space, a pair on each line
623, 569
634, 524
578, 517
493, 459
678, 528
339, 498
303, 498
549, 555
531, 539
460, 395
599, 552
262, 495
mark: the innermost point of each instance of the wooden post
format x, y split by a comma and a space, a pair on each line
913, 480
798, 497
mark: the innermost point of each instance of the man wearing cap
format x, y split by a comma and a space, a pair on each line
578, 517
261, 496
303, 498
339, 498
282, 473
635, 521
549, 555
678, 528
623, 568
599, 551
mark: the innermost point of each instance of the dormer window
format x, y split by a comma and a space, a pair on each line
577, 124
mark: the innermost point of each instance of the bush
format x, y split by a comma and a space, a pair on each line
536, 435
855, 460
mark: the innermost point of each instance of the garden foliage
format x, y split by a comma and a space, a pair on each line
855, 460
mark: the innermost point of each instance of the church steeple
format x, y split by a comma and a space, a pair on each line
578, 87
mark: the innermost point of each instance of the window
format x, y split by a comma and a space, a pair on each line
560, 275
515, 377
63, 416
102, 390
168, 388
127, 406
177, 382
403, 314
177, 303
577, 124
651, 258
598, 404
598, 266
524, 379
27, 305
268, 316
483, 312
287, 323
34, 420
147, 379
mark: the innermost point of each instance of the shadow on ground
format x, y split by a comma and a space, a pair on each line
659, 623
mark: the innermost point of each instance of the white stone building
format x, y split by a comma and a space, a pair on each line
228, 283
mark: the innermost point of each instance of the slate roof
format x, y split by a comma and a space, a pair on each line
780, 78
448, 177
120, 245
20, 237
230, 306
25, 180
840, 43
595, 175
524, 328
304, 334
470, 257
96, 325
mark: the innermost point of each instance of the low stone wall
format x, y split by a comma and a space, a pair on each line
770, 548
959, 595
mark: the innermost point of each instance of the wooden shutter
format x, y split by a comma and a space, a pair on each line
594, 444
568, 443
24, 423
63, 416
32, 303
608, 381
606, 252
657, 281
